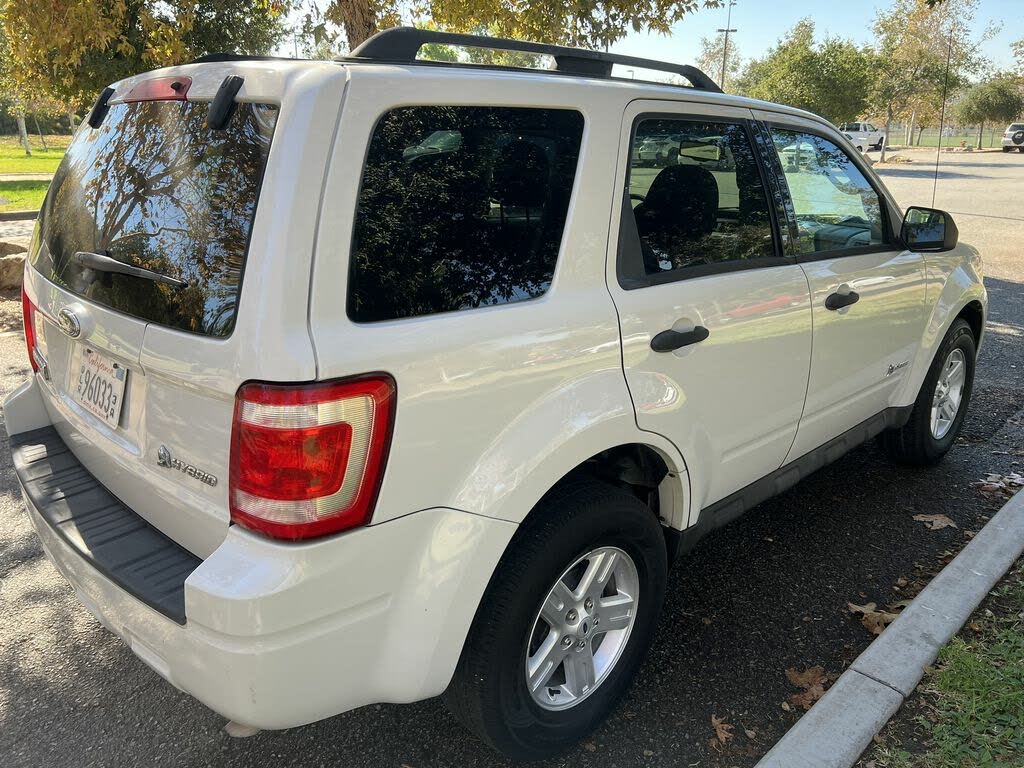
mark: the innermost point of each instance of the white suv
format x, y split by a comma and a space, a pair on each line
320, 418
1013, 137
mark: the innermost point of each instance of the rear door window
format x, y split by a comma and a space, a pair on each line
698, 209
155, 187
460, 207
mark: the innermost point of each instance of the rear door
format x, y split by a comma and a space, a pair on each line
867, 292
141, 369
715, 321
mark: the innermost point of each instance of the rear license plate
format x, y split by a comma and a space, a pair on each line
100, 386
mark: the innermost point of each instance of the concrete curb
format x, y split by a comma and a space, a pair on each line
18, 215
837, 729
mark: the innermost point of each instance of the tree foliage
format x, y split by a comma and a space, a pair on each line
913, 40
712, 52
998, 100
830, 78
584, 23
70, 49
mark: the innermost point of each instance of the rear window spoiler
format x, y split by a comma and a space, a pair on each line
221, 108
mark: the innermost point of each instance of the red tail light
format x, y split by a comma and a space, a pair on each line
28, 312
307, 460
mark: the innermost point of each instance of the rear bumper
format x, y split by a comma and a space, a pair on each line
279, 635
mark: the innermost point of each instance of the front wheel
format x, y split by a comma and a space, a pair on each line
565, 622
941, 405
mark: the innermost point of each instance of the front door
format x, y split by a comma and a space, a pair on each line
867, 292
715, 321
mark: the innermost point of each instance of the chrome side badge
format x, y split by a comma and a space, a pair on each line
165, 459
69, 323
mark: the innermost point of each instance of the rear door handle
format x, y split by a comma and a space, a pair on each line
668, 341
839, 300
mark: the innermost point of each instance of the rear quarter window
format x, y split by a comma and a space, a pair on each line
460, 207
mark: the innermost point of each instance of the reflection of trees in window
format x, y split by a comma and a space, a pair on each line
155, 187
444, 226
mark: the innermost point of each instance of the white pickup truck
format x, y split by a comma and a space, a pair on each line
866, 132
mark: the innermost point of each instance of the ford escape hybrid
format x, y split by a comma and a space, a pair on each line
376, 379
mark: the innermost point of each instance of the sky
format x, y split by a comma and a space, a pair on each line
760, 24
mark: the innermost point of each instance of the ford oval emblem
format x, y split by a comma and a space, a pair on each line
68, 323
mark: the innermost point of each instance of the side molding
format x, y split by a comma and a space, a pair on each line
733, 506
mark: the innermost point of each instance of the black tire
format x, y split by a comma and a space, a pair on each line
1007, 149
488, 692
1020, 149
914, 443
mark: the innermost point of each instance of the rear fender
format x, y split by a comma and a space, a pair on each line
589, 414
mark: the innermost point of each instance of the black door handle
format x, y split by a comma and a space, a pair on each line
839, 300
670, 340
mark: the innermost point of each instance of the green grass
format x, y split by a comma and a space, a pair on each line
14, 160
975, 695
22, 195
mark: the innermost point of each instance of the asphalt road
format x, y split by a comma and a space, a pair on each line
766, 593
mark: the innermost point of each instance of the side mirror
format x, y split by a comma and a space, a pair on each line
928, 229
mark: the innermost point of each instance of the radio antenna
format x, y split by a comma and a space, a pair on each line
942, 115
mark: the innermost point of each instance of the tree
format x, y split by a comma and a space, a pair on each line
831, 79
712, 52
998, 100
71, 49
586, 22
913, 38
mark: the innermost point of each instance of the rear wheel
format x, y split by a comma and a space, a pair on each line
566, 620
941, 405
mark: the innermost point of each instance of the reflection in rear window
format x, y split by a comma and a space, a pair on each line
155, 187
460, 207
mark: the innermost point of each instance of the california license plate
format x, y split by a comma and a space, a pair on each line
100, 386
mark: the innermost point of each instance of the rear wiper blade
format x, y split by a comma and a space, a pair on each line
103, 263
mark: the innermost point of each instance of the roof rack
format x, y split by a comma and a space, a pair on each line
402, 44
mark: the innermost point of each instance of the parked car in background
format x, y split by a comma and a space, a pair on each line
1013, 137
658, 150
372, 380
872, 137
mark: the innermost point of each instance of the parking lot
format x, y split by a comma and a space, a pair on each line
765, 594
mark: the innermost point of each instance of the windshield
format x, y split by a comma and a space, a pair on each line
155, 187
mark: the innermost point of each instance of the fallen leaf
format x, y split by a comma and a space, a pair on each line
901, 582
935, 522
876, 621
648, 753
785, 706
899, 605
812, 680
723, 731
590, 746
866, 608
750, 734
706, 621
809, 677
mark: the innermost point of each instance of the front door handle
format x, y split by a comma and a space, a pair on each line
839, 300
668, 341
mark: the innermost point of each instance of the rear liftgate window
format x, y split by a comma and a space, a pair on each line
155, 187
460, 207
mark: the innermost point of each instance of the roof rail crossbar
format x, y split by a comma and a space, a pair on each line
402, 44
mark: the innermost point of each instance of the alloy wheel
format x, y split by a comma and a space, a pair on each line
949, 392
582, 628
